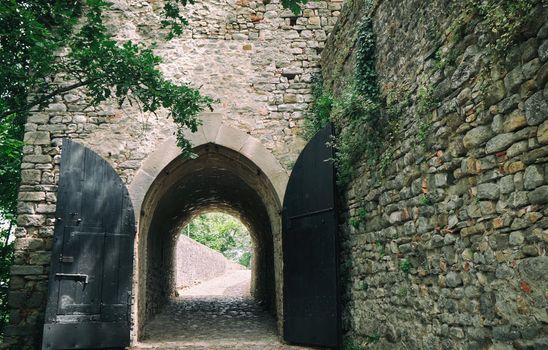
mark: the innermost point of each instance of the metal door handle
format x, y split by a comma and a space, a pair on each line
74, 276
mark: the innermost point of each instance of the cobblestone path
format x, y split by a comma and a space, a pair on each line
217, 314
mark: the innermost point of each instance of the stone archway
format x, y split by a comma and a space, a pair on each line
233, 173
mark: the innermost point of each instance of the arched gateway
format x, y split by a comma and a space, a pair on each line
94, 299
257, 59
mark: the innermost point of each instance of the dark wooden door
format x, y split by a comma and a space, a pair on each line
89, 297
310, 248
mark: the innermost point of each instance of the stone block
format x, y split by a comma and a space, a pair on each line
516, 120
40, 258
513, 79
542, 133
37, 138
130, 164
45, 208
496, 93
533, 177
543, 51
499, 143
471, 166
27, 270
539, 195
56, 107
477, 136
37, 158
32, 196
536, 109
518, 199
516, 149
506, 184
30, 220
231, 138
30, 176
29, 244
38, 118
25, 208
488, 191
17, 299
453, 279
514, 167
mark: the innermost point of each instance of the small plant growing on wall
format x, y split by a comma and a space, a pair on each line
424, 200
362, 214
380, 249
405, 265
351, 344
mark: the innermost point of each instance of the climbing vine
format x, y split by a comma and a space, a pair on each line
357, 111
319, 114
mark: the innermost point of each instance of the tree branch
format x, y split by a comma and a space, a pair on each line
46, 97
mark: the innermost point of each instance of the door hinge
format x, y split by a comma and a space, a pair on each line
66, 259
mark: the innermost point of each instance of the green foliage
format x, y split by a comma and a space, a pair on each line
363, 285
245, 259
358, 118
346, 267
294, 5
361, 217
351, 344
357, 112
40, 43
398, 97
223, 233
405, 265
505, 20
366, 74
361, 125
425, 103
93, 59
362, 214
6, 257
319, 114
374, 338
380, 248
402, 292
424, 200
11, 134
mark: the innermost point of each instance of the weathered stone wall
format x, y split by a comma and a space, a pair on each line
253, 56
196, 263
452, 252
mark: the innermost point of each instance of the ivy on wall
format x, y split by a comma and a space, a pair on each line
356, 112
366, 122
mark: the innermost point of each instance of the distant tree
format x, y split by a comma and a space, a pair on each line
223, 233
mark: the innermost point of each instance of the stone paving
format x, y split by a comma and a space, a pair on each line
217, 314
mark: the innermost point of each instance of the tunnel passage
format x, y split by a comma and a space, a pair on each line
218, 179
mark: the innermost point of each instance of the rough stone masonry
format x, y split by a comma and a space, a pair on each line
452, 251
463, 269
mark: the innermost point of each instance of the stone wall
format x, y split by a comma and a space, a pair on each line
254, 56
452, 251
196, 263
